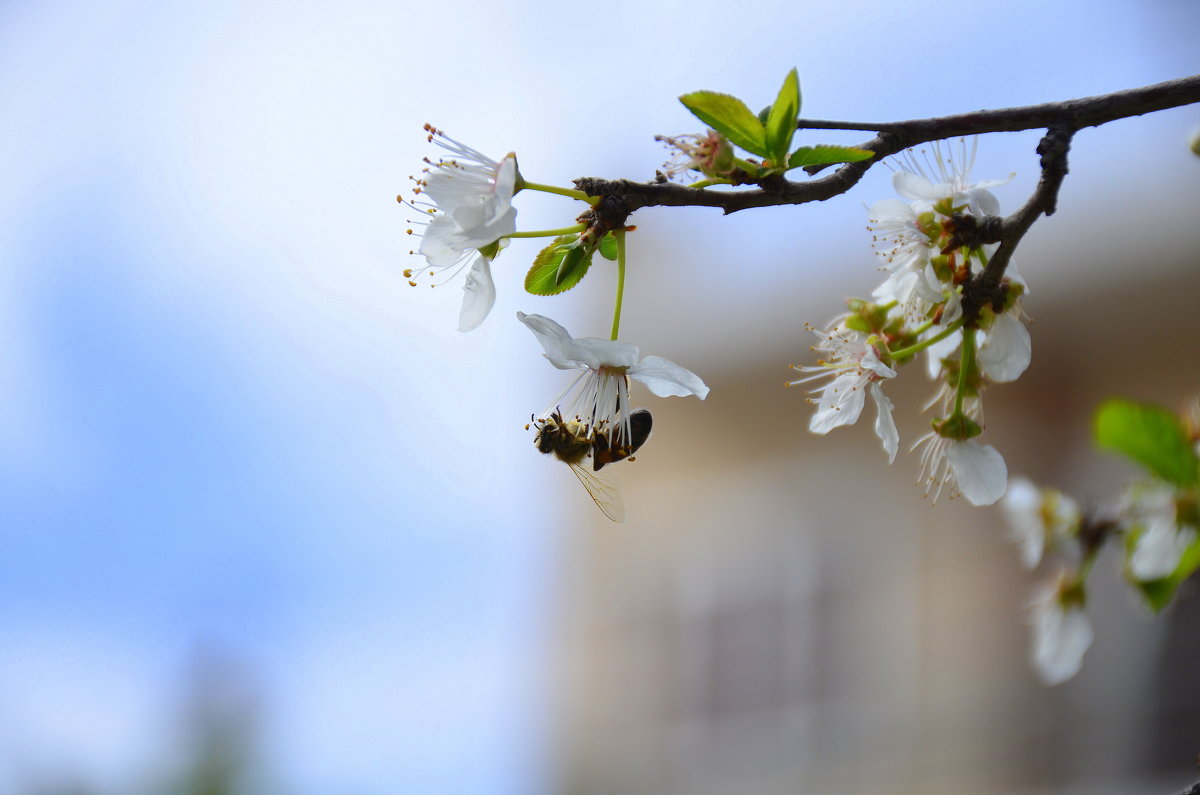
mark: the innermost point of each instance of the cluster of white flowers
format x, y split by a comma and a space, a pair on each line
470, 215
918, 308
1043, 521
854, 370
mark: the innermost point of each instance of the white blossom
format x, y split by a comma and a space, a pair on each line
1061, 633
928, 179
855, 370
897, 237
1038, 518
599, 396
471, 210
977, 471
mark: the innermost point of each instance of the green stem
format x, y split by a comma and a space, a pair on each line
966, 364
619, 234
566, 230
923, 344
704, 183
569, 192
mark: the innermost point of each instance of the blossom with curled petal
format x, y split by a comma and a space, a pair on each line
471, 212
1061, 630
599, 396
855, 371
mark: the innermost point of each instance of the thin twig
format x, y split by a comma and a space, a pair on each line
894, 137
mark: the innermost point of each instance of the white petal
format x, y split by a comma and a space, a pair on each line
892, 211
897, 287
885, 424
1159, 548
490, 223
870, 361
440, 244
479, 295
941, 350
666, 379
980, 471
552, 337
1060, 639
1022, 507
841, 403
981, 201
594, 353
506, 178
1006, 351
911, 186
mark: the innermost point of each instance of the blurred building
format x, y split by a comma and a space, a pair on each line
784, 613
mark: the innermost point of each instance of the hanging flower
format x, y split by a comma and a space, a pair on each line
1038, 518
855, 370
1061, 630
470, 214
599, 396
977, 471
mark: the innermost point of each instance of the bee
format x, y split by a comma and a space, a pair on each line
571, 442
609, 451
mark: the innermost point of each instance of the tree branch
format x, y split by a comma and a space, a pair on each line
893, 137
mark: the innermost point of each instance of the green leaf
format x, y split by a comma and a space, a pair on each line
781, 121
824, 155
608, 246
730, 117
1159, 593
559, 266
1150, 435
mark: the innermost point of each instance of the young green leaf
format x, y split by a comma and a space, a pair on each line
1150, 435
559, 266
608, 246
730, 117
781, 120
824, 155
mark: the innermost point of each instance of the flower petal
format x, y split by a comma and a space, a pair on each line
1022, 507
841, 403
980, 471
911, 186
885, 424
595, 353
1159, 548
1007, 350
479, 294
1061, 636
665, 378
552, 337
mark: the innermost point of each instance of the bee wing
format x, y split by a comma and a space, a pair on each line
606, 494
